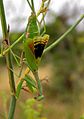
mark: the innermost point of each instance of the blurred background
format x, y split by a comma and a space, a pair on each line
63, 65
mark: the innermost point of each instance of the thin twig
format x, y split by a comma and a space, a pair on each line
13, 72
32, 2
64, 35
39, 11
45, 12
15, 57
11, 46
29, 4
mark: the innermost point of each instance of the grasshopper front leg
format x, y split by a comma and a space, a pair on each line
40, 96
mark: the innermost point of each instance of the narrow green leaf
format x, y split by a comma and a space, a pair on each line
33, 82
30, 82
19, 88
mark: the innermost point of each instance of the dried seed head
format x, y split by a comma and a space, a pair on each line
43, 10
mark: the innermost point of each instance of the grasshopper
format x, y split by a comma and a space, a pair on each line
34, 44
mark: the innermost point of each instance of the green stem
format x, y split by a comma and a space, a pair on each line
17, 41
45, 12
42, 5
8, 62
3, 21
29, 4
64, 35
12, 107
32, 2
40, 96
10, 47
38, 82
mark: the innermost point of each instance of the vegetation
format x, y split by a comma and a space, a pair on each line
67, 57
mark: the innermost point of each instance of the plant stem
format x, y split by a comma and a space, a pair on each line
42, 5
29, 4
3, 21
64, 35
32, 2
12, 107
17, 41
8, 62
38, 82
11, 46
45, 12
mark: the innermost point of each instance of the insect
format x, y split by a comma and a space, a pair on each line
33, 52
34, 44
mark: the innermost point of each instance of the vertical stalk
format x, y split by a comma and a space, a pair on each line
8, 61
38, 82
32, 2
40, 95
3, 21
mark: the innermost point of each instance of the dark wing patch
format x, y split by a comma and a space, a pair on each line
39, 45
38, 49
